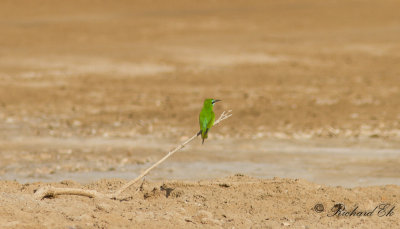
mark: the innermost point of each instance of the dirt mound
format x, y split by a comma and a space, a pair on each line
237, 201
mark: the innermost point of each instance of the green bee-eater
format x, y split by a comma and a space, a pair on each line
206, 117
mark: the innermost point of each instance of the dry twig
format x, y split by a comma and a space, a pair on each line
49, 192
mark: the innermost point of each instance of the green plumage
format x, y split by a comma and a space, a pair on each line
207, 117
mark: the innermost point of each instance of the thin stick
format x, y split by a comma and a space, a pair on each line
223, 116
46, 192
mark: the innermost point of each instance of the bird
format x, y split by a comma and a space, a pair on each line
206, 118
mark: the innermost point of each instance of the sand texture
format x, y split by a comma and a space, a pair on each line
94, 92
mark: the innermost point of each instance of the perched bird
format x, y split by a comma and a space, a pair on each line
206, 117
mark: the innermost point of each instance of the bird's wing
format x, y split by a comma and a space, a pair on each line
204, 120
210, 122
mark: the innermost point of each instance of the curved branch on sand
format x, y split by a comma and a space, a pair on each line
50, 192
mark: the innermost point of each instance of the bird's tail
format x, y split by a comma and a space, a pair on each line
204, 135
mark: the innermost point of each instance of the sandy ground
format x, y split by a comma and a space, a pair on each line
233, 202
95, 92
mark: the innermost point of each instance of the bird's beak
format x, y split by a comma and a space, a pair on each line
216, 100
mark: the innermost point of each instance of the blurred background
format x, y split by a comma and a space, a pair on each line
98, 89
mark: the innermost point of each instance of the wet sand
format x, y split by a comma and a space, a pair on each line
328, 162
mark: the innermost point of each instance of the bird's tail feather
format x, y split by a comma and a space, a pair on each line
204, 135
